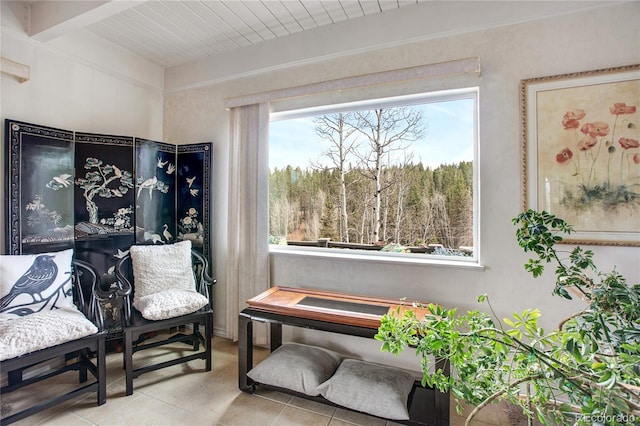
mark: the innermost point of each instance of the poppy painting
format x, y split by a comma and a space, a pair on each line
581, 152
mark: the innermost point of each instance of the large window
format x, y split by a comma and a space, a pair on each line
394, 176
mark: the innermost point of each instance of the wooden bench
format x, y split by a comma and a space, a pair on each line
336, 313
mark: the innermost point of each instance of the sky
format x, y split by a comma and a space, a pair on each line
448, 138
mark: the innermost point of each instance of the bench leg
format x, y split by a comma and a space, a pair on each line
276, 335
442, 398
245, 352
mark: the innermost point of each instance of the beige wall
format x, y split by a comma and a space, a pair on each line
77, 82
587, 40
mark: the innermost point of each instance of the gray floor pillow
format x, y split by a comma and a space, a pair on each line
298, 367
370, 388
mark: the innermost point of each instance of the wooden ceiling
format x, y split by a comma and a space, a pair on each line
174, 32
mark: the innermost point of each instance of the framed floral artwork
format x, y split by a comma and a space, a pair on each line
581, 152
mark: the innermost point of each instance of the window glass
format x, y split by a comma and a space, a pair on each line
392, 176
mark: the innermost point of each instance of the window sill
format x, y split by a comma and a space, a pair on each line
388, 258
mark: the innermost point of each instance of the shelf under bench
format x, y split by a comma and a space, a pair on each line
336, 313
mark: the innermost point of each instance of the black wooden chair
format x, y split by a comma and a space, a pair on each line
137, 329
85, 355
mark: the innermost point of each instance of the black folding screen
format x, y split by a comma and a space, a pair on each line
39, 182
102, 193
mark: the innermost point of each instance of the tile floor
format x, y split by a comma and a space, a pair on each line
187, 395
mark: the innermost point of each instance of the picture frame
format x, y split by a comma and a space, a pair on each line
581, 152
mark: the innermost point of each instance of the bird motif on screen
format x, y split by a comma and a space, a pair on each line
121, 253
154, 238
39, 277
63, 179
148, 184
167, 235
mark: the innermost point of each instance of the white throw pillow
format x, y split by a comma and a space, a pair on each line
41, 330
31, 283
158, 269
170, 303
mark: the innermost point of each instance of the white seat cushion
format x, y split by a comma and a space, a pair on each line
42, 330
169, 303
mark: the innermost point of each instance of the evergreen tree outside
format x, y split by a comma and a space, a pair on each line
366, 186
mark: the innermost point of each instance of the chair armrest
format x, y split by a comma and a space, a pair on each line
84, 272
200, 267
204, 281
124, 286
119, 289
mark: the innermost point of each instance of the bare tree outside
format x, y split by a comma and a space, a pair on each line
368, 179
386, 131
338, 129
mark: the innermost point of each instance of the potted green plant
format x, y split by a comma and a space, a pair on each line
587, 371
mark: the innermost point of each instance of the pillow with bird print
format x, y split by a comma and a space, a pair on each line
31, 283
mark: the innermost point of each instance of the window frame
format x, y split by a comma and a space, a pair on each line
398, 258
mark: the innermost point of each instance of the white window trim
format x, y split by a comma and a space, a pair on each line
399, 258
377, 257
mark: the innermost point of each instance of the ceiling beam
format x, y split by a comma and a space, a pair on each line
51, 19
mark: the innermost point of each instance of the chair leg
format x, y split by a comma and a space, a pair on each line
83, 358
208, 335
101, 363
196, 340
128, 362
14, 377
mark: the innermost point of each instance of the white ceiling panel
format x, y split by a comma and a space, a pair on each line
335, 10
300, 14
269, 17
318, 11
256, 17
370, 7
355, 9
284, 16
174, 32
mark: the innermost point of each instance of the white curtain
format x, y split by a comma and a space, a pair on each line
248, 218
